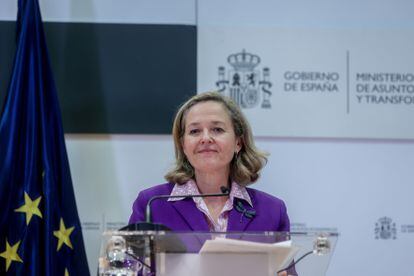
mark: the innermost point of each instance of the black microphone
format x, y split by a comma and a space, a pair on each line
148, 225
224, 192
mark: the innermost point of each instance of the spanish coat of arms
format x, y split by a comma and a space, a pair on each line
244, 83
385, 229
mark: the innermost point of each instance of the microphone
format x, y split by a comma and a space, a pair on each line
148, 225
148, 218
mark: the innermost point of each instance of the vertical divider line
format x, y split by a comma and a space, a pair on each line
347, 83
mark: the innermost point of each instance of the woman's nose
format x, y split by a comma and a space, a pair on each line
206, 137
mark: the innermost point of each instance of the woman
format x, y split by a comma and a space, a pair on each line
213, 148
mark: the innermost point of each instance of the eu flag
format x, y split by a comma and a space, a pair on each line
40, 231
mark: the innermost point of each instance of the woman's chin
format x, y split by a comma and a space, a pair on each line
210, 166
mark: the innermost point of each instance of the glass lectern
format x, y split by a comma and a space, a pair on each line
197, 254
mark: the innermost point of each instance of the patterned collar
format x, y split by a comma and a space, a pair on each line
190, 188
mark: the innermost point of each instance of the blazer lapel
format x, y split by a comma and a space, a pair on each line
239, 221
191, 215
196, 221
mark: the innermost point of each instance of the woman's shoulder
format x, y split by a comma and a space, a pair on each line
263, 198
140, 203
160, 189
270, 208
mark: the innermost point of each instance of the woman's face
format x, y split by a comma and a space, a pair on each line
209, 141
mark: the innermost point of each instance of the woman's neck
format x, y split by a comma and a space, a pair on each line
208, 182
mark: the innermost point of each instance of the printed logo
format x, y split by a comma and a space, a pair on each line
244, 83
385, 229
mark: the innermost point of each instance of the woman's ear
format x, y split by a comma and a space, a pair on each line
239, 145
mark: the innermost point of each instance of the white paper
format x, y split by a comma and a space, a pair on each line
280, 254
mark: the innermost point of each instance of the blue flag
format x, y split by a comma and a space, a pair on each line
40, 231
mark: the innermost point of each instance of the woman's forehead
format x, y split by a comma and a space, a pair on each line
210, 111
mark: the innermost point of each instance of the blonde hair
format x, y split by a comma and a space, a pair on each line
246, 164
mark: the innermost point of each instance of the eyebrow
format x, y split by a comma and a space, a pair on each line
213, 122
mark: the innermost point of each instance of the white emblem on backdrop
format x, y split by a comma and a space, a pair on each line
245, 83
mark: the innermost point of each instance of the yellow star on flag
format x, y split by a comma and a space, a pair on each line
63, 235
66, 272
11, 254
30, 207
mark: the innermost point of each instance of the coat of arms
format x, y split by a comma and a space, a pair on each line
385, 229
244, 83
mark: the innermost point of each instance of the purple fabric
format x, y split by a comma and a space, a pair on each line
183, 215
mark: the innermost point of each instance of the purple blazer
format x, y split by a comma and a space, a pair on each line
183, 215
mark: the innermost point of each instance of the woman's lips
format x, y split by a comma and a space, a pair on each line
206, 150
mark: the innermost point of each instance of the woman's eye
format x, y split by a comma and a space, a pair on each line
218, 130
193, 131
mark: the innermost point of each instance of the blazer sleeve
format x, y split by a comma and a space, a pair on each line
138, 208
284, 225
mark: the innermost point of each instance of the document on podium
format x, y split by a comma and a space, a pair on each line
281, 253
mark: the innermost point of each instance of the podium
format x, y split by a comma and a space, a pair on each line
128, 253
